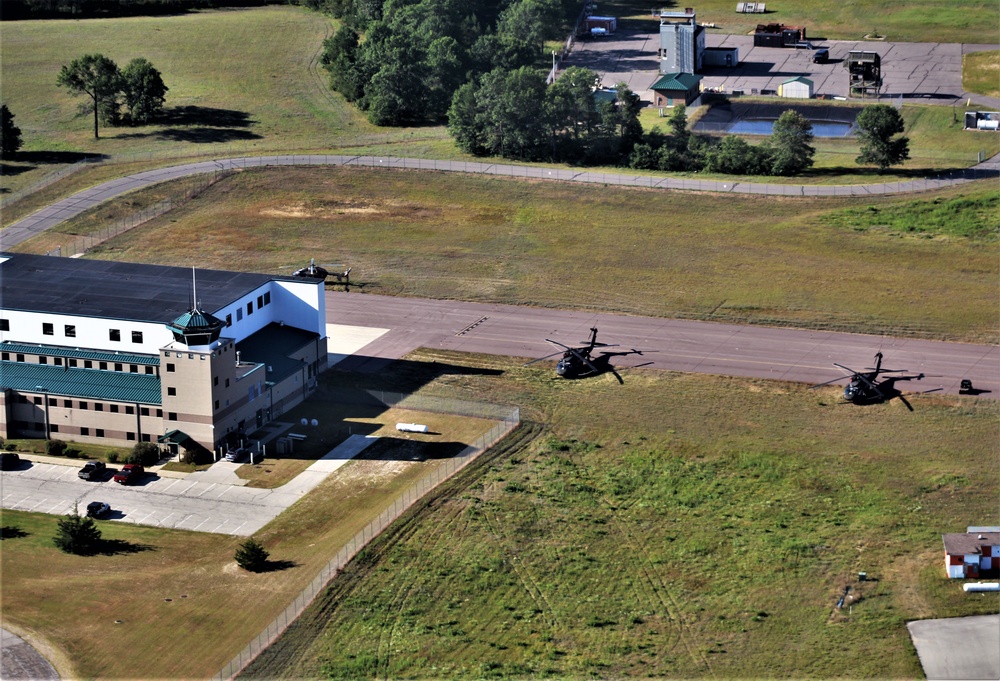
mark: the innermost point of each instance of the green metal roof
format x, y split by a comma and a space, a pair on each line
799, 79
677, 81
114, 386
78, 353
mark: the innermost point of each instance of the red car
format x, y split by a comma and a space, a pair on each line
129, 473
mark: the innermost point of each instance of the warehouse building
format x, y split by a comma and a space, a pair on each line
118, 353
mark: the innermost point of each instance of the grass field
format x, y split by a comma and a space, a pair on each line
679, 526
981, 73
809, 264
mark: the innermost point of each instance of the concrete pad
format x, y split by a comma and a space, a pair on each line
343, 340
20, 661
222, 472
958, 647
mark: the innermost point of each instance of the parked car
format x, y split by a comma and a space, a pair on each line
9, 461
97, 509
129, 473
92, 470
237, 455
821, 55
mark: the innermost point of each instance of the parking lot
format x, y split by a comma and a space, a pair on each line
183, 503
923, 71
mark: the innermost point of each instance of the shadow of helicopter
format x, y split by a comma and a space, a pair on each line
581, 362
864, 387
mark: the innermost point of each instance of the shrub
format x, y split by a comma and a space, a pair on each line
11, 446
72, 452
55, 447
113, 456
196, 456
77, 535
144, 454
250, 555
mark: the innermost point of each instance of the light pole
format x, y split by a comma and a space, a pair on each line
553, 66
45, 399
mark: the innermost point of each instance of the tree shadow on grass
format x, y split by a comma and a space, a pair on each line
7, 170
12, 532
276, 565
115, 547
206, 135
205, 116
56, 157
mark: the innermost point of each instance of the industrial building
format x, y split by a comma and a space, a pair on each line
682, 42
117, 353
778, 35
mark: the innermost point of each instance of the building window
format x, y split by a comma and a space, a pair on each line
20, 357
114, 408
129, 409
84, 430
267, 297
239, 314
103, 366
144, 411
170, 368
215, 380
130, 436
118, 366
99, 432
229, 320
227, 382
137, 336
149, 370
73, 363
53, 427
68, 404
217, 405
5, 356
53, 402
134, 368
190, 355
114, 334
98, 406
70, 330
4, 325
159, 413
260, 302
58, 361
171, 415
83, 405
37, 400
42, 359
87, 364
47, 329
145, 437
172, 392
22, 399
250, 308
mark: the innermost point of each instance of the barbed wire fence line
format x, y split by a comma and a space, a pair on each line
510, 419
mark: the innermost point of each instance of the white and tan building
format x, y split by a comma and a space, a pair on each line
118, 353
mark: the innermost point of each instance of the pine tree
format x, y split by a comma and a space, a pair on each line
250, 555
77, 535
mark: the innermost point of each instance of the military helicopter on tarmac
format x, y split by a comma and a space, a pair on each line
864, 387
580, 361
314, 271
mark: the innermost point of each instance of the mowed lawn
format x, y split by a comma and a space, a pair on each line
806, 263
675, 526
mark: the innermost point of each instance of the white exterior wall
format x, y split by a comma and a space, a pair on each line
92, 333
954, 571
796, 90
293, 303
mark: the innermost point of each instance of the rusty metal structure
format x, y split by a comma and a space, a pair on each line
864, 70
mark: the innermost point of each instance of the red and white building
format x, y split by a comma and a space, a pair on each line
974, 554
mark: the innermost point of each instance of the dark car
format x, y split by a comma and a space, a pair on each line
237, 455
129, 473
9, 461
97, 509
92, 470
821, 55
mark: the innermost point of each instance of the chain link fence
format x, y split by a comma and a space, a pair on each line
509, 419
84, 243
51, 178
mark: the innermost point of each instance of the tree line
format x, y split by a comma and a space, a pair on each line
401, 61
79, 9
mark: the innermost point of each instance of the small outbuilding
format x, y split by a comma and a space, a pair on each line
972, 555
796, 88
676, 88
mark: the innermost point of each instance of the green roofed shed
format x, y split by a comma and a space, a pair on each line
676, 88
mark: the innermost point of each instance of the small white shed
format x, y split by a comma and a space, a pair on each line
796, 88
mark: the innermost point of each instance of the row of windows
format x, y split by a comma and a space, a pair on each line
87, 364
84, 431
262, 300
98, 406
69, 330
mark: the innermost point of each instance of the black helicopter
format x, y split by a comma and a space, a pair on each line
864, 387
314, 271
578, 362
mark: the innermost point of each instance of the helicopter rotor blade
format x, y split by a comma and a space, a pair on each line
906, 402
621, 381
565, 347
832, 380
542, 359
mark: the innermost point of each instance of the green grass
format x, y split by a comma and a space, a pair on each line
959, 216
964, 21
981, 72
677, 525
746, 259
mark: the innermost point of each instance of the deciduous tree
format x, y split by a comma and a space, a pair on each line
144, 92
790, 144
877, 124
96, 76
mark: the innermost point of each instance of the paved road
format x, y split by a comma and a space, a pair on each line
681, 345
960, 648
20, 662
48, 217
180, 503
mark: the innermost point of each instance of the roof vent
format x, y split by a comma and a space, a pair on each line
982, 537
